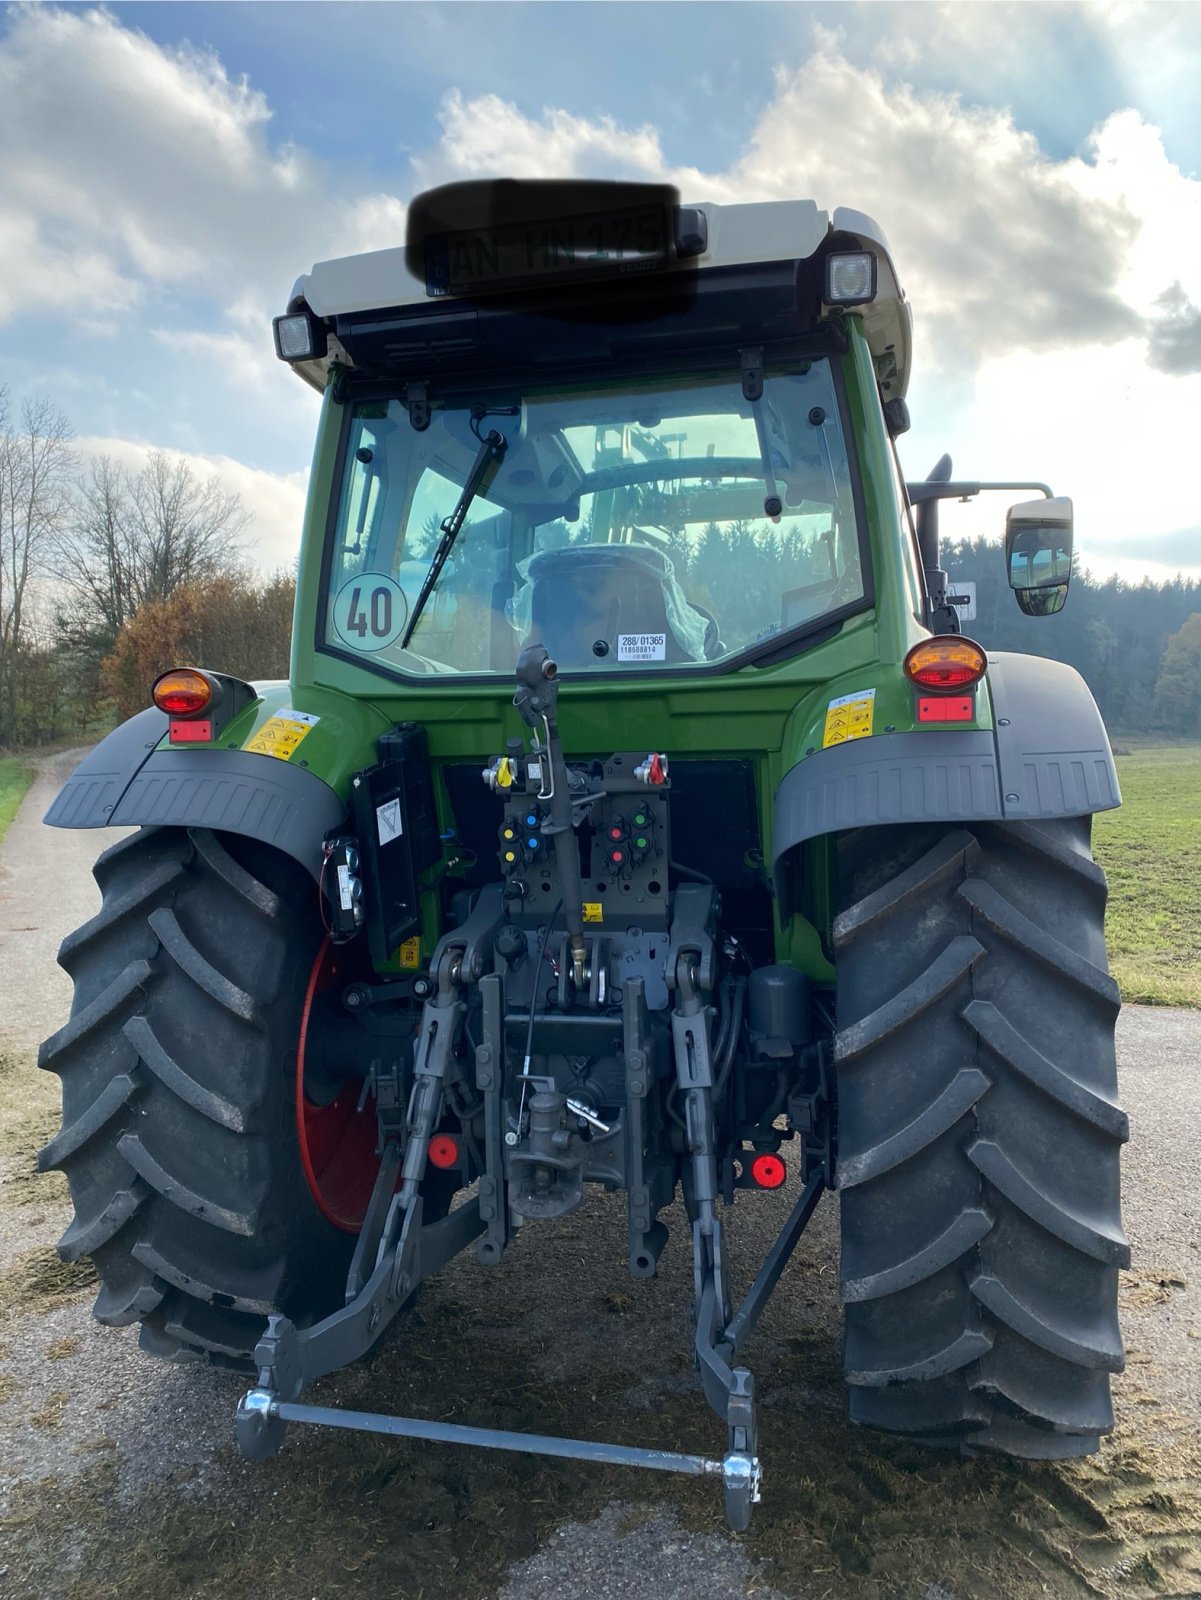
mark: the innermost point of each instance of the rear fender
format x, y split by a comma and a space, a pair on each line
126, 780
1047, 756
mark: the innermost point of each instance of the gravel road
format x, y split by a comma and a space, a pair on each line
118, 1474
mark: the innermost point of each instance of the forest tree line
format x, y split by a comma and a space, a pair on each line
1137, 645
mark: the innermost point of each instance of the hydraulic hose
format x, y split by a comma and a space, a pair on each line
724, 1057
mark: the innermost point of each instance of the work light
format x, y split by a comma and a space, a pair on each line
298, 337
850, 278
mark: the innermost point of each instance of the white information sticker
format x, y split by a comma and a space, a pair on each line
962, 595
387, 821
345, 900
642, 647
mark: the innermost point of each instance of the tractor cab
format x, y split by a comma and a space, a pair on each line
655, 430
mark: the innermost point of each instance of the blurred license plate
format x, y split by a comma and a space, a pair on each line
527, 254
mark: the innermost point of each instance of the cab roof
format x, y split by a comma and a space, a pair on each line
738, 235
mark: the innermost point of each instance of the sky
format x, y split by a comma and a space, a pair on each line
168, 170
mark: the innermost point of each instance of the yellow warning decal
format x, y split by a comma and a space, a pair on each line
280, 734
849, 717
410, 953
594, 911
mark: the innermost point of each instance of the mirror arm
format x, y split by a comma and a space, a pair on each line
928, 490
940, 616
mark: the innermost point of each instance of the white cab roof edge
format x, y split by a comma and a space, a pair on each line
740, 233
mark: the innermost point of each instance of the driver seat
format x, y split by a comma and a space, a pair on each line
584, 597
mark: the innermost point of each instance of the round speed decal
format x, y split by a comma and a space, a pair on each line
370, 611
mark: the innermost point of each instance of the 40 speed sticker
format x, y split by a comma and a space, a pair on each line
281, 733
370, 612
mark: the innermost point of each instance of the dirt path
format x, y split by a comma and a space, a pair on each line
120, 1477
46, 889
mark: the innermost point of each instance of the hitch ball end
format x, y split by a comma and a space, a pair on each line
742, 1477
258, 1427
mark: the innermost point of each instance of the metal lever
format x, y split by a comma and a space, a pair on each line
536, 699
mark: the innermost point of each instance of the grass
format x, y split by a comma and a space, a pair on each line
1151, 851
15, 777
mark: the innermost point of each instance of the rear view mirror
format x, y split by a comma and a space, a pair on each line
1038, 554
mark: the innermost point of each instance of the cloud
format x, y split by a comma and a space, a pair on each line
151, 164
145, 192
1041, 288
373, 222
1100, 426
997, 244
165, 176
138, 176
488, 135
1000, 247
1174, 341
276, 501
251, 356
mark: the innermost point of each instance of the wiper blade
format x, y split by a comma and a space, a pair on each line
489, 456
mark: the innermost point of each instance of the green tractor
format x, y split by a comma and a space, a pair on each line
636, 814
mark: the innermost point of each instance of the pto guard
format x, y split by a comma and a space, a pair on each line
126, 781
1048, 756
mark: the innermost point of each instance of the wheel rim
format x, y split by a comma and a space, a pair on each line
337, 1141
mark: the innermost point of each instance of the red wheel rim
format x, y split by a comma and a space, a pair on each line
337, 1141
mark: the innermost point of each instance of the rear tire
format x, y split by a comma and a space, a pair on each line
978, 1136
178, 1069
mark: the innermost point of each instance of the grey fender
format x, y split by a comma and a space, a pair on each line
1049, 756
126, 780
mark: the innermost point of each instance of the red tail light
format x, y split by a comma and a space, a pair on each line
945, 663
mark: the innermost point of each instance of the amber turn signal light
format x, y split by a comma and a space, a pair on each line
182, 692
945, 663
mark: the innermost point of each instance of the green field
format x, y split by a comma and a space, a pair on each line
15, 777
1151, 851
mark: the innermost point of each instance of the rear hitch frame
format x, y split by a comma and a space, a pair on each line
397, 1249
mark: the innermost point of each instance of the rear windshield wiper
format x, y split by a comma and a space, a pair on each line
489, 456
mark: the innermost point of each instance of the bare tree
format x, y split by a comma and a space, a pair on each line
36, 464
98, 559
132, 539
183, 530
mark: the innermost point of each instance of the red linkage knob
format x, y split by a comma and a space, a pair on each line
768, 1171
444, 1151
